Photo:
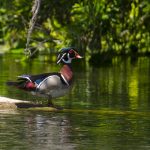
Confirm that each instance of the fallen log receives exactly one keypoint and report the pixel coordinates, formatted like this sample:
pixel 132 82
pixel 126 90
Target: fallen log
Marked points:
pixel 8 103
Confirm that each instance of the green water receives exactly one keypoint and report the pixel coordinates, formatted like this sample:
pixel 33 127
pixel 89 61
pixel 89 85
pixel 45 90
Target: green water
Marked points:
pixel 108 108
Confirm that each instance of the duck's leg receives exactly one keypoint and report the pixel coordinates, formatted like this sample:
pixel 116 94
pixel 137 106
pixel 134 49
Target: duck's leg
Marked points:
pixel 50 103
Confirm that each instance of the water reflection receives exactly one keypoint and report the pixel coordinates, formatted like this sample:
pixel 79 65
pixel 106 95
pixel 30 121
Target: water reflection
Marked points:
pixel 37 130
pixel 122 86
pixel 49 133
pixel 33 131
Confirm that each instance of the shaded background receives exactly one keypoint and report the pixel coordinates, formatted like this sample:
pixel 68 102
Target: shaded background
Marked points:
pixel 120 27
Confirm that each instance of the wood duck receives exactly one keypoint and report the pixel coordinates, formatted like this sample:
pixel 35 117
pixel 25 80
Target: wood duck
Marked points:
pixel 50 85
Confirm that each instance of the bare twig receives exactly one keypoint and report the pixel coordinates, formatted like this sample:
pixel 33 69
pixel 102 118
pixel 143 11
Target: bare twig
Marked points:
pixel 35 10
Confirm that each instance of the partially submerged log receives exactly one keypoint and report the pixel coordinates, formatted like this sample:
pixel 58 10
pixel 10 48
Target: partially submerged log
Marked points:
pixel 8 103
pixel 13 104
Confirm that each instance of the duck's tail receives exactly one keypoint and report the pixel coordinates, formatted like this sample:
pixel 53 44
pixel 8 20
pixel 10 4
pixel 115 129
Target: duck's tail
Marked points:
pixel 19 84
pixel 12 83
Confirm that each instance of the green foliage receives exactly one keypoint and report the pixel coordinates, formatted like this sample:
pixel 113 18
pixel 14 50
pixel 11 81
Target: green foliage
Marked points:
pixel 92 26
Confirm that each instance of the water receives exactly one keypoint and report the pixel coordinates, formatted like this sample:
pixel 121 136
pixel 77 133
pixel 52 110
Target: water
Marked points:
pixel 108 108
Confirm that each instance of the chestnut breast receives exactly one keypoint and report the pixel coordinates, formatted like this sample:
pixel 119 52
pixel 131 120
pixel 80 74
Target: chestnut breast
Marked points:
pixel 66 71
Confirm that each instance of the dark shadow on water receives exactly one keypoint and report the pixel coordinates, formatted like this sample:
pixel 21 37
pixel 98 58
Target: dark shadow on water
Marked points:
pixel 100 59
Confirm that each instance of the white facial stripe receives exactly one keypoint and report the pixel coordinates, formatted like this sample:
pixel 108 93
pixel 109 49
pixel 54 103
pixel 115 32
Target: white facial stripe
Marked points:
pixel 68 61
pixel 61 58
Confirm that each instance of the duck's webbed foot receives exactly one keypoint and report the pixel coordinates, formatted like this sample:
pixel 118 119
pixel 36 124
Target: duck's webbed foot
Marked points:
pixel 50 103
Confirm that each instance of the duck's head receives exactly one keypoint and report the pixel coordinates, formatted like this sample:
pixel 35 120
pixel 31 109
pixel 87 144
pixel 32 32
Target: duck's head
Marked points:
pixel 66 55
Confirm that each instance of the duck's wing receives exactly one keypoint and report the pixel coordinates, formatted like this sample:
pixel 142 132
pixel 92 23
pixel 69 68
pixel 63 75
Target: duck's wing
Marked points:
pixel 35 78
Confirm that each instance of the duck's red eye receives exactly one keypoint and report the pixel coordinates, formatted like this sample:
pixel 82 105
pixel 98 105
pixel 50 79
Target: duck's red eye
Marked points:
pixel 71 51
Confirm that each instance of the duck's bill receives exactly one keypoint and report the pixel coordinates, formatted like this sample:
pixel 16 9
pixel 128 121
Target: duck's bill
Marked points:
pixel 78 56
